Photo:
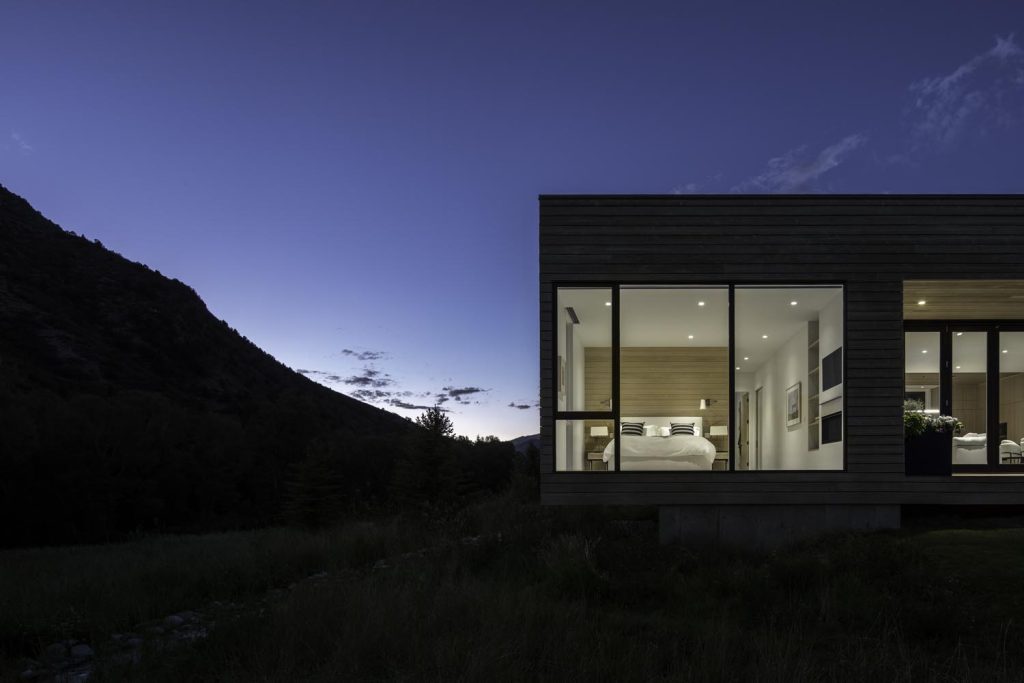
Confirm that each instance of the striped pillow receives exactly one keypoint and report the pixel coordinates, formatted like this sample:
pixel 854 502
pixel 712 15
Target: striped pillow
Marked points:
pixel 682 428
pixel 632 429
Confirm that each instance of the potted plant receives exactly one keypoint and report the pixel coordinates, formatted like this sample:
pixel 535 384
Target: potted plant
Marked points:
pixel 928 441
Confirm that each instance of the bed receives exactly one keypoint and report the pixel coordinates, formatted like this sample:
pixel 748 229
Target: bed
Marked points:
pixel 656 450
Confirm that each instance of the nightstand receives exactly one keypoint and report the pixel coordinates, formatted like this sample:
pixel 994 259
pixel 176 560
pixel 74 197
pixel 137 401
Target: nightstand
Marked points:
pixel 721 460
pixel 595 462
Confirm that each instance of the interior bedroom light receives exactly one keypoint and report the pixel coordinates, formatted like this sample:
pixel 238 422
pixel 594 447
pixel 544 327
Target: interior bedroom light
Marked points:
pixel 959 334
pixel 764 336
pixel 705 402
pixel 924 350
pixel 607 303
pixel 958 367
pixel 689 336
pixel 700 303
pixel 746 357
pixel 737 367
pixel 1006 350
pixel 792 303
pixel 922 302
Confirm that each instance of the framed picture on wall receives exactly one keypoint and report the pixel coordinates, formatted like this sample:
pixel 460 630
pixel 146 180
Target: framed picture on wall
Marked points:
pixel 793 405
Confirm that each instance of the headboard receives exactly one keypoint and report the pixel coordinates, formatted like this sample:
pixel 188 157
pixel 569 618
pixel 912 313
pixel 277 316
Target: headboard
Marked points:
pixel 698 422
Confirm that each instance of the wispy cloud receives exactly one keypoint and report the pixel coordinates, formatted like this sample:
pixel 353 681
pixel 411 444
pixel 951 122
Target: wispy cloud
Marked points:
pixel 797 171
pixel 980 91
pixel 369 377
pixel 364 355
pixel 320 375
pixel 21 143
pixel 519 406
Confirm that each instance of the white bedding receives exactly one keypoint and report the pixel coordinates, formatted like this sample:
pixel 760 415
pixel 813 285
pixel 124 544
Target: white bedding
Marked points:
pixel 679 452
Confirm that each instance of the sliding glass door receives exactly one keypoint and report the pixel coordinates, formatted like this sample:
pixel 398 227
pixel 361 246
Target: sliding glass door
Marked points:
pixel 973 371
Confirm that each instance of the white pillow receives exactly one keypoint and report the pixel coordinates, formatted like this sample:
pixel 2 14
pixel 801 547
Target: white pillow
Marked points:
pixel 667 431
pixel 650 430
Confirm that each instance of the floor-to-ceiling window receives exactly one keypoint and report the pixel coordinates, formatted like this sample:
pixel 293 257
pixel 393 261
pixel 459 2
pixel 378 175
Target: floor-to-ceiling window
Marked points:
pixel 789 356
pixel 1011 398
pixel 973 333
pixel 584 424
pixel 698 377
pixel 674 377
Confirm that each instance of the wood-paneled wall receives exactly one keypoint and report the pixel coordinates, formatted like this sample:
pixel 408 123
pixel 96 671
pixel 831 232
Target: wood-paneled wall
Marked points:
pixel 661 381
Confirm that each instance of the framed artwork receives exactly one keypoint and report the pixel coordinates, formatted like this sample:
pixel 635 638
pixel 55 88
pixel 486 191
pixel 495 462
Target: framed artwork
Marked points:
pixel 793 405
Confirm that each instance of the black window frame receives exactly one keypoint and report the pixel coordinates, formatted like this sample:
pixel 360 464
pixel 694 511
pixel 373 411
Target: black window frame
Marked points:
pixel 946 328
pixel 614 414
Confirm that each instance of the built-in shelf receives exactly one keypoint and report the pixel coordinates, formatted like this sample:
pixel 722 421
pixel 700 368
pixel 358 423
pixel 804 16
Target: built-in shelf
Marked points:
pixel 813 387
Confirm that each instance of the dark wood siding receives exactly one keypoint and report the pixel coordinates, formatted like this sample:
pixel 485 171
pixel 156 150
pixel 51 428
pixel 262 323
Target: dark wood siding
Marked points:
pixel 869 243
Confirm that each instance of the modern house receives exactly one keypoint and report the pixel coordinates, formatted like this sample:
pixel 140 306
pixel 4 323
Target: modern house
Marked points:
pixel 742 362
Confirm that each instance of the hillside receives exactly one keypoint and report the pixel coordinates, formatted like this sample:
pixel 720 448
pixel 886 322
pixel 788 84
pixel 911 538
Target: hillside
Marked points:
pixel 127 405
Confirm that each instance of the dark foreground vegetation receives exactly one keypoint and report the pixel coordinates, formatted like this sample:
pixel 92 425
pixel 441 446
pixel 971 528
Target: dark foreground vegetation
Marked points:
pixel 507 590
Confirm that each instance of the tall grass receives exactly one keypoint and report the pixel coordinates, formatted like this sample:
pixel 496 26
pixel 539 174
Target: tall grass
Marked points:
pixel 89 592
pixel 511 591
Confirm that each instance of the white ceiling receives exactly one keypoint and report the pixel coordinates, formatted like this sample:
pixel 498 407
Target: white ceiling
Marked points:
pixel 668 316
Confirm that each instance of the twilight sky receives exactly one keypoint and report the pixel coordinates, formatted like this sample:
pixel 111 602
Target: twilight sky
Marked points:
pixel 352 185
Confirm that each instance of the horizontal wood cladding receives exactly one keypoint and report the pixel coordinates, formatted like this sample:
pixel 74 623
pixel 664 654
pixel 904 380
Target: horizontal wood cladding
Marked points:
pixel 869 243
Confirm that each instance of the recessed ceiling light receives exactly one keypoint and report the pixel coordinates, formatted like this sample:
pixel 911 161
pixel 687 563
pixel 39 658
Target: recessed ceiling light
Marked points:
pixel 792 303
pixel 746 357
pixel 958 367
pixel 959 334
pixel 922 302
pixel 689 336
pixel 924 350
pixel 764 336
pixel 737 367
pixel 1006 350
pixel 700 303
pixel 607 303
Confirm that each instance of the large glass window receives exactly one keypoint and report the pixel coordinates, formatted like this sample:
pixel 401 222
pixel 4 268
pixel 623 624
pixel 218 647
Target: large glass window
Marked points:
pixel 921 370
pixel 674 370
pixel 1011 397
pixel 648 378
pixel 970 396
pixel 583 378
pixel 789 365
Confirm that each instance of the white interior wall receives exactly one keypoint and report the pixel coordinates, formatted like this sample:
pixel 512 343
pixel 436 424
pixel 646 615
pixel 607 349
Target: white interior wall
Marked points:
pixel 785 448
pixel 578 377
pixel 830 334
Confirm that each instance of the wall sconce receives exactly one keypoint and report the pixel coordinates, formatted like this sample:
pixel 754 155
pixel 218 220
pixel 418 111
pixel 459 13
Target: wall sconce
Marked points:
pixel 706 402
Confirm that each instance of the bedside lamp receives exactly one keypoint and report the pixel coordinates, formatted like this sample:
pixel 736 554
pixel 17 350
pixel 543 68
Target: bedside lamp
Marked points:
pixel 718 431
pixel 600 433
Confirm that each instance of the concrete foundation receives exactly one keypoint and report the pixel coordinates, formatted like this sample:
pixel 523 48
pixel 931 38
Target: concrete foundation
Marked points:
pixel 767 527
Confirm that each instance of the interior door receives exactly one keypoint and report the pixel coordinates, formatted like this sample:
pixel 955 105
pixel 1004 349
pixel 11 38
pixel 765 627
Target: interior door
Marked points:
pixel 743 446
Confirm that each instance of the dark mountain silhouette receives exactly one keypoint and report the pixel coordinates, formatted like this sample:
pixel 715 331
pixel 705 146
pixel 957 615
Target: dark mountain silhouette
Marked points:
pixel 521 443
pixel 126 405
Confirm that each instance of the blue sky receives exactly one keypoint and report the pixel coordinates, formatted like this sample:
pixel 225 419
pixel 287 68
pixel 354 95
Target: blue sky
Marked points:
pixel 353 185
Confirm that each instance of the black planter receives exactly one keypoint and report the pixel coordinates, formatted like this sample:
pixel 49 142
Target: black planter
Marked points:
pixel 930 454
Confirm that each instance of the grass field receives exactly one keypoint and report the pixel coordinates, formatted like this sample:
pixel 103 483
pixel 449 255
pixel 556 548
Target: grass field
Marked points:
pixel 511 591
